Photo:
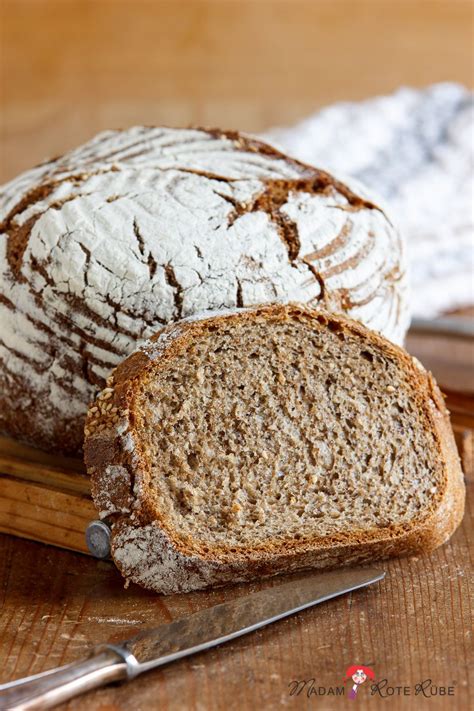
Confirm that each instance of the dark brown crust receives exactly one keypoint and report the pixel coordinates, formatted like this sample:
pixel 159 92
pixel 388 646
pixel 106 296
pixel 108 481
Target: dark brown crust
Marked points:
pixel 318 179
pixel 131 511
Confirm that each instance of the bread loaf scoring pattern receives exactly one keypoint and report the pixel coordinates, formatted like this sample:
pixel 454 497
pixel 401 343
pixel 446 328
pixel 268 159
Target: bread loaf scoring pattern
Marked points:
pixel 142 227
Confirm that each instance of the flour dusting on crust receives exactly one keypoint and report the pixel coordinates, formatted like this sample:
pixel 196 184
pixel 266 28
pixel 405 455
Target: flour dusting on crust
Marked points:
pixel 167 570
pixel 139 228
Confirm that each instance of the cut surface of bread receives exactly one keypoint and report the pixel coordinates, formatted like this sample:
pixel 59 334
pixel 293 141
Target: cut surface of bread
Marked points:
pixel 265 440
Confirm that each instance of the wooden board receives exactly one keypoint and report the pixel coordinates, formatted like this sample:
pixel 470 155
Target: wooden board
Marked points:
pixel 414 626
pixel 71 69
pixel 47 498
pixel 44 497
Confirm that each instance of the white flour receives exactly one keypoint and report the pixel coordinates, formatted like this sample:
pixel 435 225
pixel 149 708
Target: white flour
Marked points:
pixel 415 148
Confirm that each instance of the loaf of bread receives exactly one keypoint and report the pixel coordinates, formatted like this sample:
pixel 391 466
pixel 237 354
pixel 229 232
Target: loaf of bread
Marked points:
pixel 271 439
pixel 139 228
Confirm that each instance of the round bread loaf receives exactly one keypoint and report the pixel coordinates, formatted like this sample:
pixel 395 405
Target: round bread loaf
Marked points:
pixel 142 227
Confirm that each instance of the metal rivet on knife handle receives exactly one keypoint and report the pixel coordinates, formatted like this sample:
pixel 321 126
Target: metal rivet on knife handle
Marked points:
pixel 98 539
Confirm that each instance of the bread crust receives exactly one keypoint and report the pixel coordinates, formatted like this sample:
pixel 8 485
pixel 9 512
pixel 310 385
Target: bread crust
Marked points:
pixel 138 228
pixel 146 549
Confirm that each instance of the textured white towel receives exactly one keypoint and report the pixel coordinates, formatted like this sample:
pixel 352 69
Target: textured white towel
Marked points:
pixel 415 148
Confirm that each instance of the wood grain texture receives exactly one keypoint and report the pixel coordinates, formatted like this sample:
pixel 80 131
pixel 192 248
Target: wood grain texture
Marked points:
pixel 70 69
pixel 415 625
pixel 45 514
pixel 44 497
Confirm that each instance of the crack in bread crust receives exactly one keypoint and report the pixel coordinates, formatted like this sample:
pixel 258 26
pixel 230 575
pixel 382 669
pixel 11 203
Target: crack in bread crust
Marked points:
pixel 139 228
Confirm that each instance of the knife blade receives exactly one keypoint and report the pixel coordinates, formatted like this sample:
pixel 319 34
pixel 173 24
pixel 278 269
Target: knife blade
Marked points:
pixel 226 621
pixel 168 642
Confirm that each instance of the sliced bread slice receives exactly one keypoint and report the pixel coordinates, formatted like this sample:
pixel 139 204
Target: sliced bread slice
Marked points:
pixel 272 439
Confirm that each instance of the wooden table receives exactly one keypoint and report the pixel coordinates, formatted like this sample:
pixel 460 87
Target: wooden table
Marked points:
pixel 70 69
pixel 414 626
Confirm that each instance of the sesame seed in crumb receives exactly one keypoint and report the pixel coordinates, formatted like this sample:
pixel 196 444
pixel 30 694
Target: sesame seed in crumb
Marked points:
pixel 307 465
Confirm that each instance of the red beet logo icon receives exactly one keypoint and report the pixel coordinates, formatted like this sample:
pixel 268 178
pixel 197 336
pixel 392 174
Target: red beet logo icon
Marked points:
pixel 358 673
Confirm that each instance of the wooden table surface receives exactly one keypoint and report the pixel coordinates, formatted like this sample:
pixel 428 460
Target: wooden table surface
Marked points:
pixel 414 626
pixel 70 69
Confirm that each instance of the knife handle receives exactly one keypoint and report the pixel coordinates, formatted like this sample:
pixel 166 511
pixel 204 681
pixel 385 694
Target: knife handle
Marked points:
pixel 52 687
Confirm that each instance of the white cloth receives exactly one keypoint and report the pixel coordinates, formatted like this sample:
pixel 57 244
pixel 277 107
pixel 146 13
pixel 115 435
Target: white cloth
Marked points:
pixel 415 148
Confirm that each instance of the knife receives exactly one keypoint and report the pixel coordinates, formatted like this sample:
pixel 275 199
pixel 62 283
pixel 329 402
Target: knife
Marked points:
pixel 458 327
pixel 204 629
